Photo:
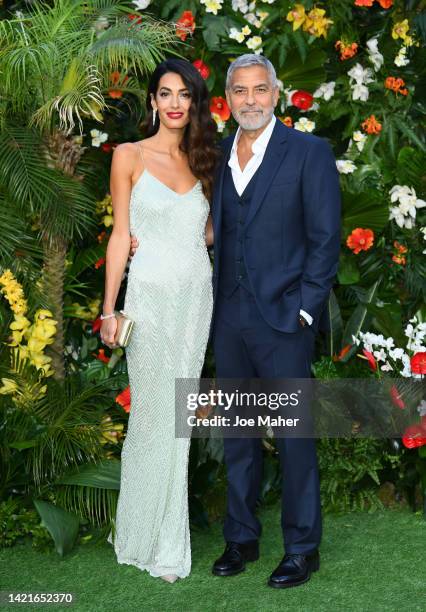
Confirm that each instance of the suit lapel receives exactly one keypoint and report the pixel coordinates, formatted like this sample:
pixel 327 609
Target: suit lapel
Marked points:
pixel 274 155
pixel 218 190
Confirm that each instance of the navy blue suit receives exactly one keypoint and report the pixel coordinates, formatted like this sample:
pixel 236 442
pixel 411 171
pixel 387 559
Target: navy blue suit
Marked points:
pixel 276 250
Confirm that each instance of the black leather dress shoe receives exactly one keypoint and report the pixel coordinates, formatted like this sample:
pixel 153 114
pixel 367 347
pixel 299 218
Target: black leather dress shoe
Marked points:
pixel 235 557
pixel 294 570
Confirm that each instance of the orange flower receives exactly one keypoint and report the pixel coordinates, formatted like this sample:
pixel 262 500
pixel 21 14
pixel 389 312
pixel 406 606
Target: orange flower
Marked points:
pixel 343 352
pixel 101 237
pixel 123 399
pixel 185 25
pixel 398 256
pixel 363 2
pixel 399 259
pixel 219 106
pixel 385 3
pixel 360 240
pixel 371 125
pixel 116 79
pixel 100 263
pixel 347 50
pixel 396 85
pixel 101 356
pixel 396 397
pixel 288 121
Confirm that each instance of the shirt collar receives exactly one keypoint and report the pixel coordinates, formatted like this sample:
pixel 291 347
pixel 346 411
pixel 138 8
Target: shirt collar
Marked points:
pixel 261 142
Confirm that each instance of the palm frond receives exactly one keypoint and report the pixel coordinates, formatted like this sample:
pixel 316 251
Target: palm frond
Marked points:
pixel 133 47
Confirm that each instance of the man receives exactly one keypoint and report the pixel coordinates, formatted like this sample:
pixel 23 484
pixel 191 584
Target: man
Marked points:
pixel 276 220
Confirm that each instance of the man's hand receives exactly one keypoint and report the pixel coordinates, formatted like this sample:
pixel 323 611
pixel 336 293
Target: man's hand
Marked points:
pixel 134 243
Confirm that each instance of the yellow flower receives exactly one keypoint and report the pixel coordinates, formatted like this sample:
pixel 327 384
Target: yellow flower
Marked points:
pixel 9 386
pixel 108 220
pixel 316 24
pixel 41 362
pixel 297 16
pixel 400 30
pixel 20 322
pixel 35 345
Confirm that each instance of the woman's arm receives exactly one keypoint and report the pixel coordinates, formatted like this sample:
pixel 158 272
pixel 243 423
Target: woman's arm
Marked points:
pixel 119 241
pixel 209 231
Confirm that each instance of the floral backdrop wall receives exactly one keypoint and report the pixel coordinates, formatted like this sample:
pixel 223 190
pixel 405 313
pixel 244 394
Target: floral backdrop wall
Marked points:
pixel 350 71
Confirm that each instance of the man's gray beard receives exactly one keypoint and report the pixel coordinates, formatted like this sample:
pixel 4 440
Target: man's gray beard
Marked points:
pixel 253 124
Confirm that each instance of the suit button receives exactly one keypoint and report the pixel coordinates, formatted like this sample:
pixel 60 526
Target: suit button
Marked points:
pixel 239 261
pixel 240 202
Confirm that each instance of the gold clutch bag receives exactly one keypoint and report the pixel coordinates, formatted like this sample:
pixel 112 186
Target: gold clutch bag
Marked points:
pixel 124 329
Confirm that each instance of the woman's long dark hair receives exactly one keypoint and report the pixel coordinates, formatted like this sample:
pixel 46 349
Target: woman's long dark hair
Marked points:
pixel 198 142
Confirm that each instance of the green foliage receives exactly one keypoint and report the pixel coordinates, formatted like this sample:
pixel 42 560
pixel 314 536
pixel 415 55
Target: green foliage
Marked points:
pixel 18 523
pixel 350 472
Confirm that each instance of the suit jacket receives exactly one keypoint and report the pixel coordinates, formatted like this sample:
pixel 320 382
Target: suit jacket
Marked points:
pixel 291 236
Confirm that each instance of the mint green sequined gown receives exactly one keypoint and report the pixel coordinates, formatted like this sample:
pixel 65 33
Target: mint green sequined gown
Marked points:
pixel 169 296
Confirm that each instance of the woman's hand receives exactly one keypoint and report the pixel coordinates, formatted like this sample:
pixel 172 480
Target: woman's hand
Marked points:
pixel 134 243
pixel 108 331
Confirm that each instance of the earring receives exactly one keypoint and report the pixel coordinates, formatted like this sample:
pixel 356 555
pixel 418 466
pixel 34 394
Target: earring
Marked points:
pixel 154 115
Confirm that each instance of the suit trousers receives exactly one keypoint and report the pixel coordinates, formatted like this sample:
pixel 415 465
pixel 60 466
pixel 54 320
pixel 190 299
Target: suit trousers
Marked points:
pixel 245 346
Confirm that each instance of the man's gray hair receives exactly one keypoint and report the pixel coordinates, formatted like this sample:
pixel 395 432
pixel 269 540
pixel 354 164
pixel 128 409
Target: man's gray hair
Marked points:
pixel 251 59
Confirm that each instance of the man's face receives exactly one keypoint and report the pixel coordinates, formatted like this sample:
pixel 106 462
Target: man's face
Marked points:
pixel 251 97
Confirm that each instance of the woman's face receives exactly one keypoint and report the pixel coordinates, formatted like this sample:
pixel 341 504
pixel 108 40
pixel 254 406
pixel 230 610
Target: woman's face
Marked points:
pixel 172 101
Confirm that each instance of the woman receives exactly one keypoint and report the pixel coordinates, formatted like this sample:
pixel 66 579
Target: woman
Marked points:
pixel 161 187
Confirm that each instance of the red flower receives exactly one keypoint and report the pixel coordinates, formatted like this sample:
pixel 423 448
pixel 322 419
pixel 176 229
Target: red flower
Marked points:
pixel 123 399
pixel 96 325
pixel 135 18
pixel 418 363
pixel 202 68
pixel 185 25
pixel 414 436
pixel 106 146
pixel 302 99
pixel 385 3
pixel 100 263
pixel 360 240
pixel 370 358
pixel 396 397
pixel 219 106
pixel 364 2
pixel 101 356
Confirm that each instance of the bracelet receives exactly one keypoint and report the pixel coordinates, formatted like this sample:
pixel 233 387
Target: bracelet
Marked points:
pixel 108 316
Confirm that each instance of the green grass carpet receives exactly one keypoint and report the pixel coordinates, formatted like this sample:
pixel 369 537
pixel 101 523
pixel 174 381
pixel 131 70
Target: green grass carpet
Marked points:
pixel 369 562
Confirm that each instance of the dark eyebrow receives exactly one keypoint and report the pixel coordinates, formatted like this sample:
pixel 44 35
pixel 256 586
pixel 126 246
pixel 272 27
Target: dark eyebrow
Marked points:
pixel 168 88
pixel 236 86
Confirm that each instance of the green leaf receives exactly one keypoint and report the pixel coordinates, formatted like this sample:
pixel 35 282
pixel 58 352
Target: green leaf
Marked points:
pixel 103 475
pixel 366 210
pixel 62 525
pixel 336 324
pixel 358 317
pixel 348 272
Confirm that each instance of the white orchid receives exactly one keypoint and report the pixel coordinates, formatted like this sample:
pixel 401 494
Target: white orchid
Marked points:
pixel 220 124
pixel 404 213
pixel 345 166
pixel 240 5
pixel 359 139
pixel 255 44
pixel 212 6
pixel 374 54
pixel 304 125
pixel 421 408
pixel 423 230
pixel 394 358
pixel 140 5
pixel 359 78
pixel 401 59
pixel 98 137
pixel 325 90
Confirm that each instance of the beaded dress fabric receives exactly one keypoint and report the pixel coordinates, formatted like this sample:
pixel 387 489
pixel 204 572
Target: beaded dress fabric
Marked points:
pixel 169 296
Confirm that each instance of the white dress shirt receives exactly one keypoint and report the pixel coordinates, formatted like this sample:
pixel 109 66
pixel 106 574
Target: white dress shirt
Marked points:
pixel 242 178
